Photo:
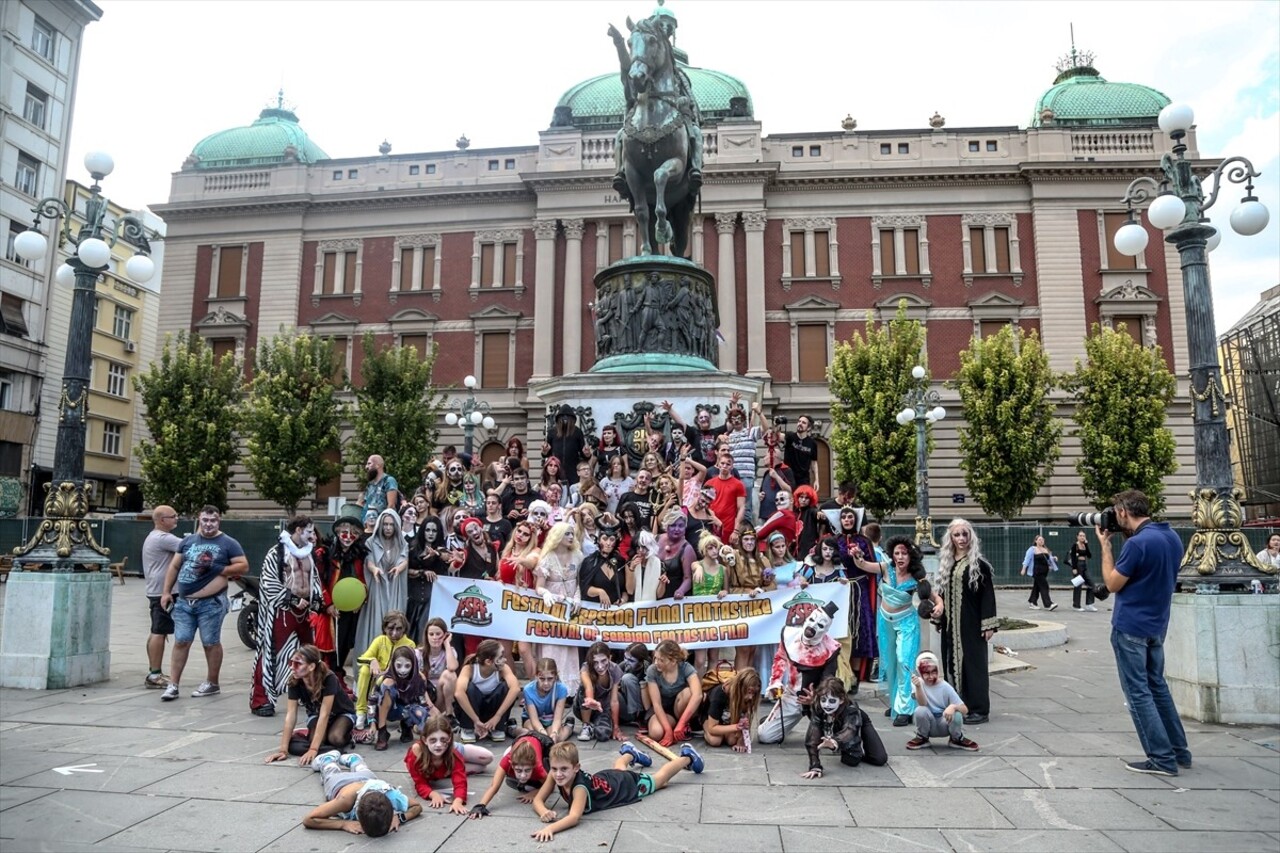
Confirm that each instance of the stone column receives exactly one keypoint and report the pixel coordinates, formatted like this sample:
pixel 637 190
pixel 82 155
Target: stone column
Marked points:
pixel 544 298
pixel 571 341
pixel 753 222
pixel 726 293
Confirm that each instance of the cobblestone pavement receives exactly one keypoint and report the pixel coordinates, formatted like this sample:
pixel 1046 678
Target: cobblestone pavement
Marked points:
pixel 188 775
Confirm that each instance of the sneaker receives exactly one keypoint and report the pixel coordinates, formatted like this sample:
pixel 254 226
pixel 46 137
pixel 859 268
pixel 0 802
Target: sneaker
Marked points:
pixel 917 742
pixel 498 735
pixel 1091 608
pixel 1148 767
pixel 587 733
pixel 350 760
pixel 206 688
pixel 696 764
pixel 963 743
pixel 1052 607
pixel 362 721
pixel 888 712
pixel 639 756
pixel 170 693
pixel 326 758
pixel 468 735
pixel 263 711
pixel 1034 606
pixel 1078 609
pixel 384 738
pixel 155 681
pixel 1185 765
pixel 902 720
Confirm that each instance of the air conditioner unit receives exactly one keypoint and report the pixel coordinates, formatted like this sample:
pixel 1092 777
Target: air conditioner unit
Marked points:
pixel 335 506
pixel 130 346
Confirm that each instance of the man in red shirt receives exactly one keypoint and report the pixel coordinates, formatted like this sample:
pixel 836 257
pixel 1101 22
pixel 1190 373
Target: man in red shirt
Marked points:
pixel 729 504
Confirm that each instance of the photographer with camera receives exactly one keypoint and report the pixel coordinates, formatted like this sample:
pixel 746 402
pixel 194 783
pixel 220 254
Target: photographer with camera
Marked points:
pixel 1143 581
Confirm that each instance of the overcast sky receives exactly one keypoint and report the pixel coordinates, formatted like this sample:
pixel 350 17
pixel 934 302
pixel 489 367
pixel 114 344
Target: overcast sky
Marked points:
pixel 156 77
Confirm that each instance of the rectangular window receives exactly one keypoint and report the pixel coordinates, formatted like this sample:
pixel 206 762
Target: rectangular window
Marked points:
pixel 815 150
pixel 486 264
pixel 886 148
pixel 111 438
pixel 330 488
pixel 413 170
pixel 797 150
pixel 122 322
pixel 352 174
pixel 222 347
pixel 117 379
pixel 888 262
pixel 349 272
pixel 978 249
pixel 36 106
pixel 418 342
pixel 615 243
pixel 10 459
pixel 992 145
pixel 339 361
pixel 337 174
pixel 6 395
pixel 811 347
pixel 493 165
pixel 229 260
pixel 911 250
pixel 797 254
pixel 1002 249
pixel 1115 260
pixel 10 252
pixel 428 266
pixel 508 264
pixel 494 350
pixel 822 253
pixel 509 164
pixel 26 177
pixel 991 328
pixel 406 269
pixel 431 168
pixel 904 147
pixel 11 320
pixel 1132 326
pixel 330 267
pixel 973 146
pixel 42 36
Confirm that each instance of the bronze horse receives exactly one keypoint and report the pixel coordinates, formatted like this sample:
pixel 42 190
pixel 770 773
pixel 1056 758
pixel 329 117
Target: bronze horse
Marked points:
pixel 656 144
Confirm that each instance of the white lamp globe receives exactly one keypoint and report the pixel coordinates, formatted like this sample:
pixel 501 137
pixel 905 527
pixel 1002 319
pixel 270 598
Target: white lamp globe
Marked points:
pixel 476 418
pixel 1166 211
pixel 1176 117
pixel 1131 239
pixel 94 252
pixel 1213 241
pixel 30 245
pixel 1250 218
pixel 451 419
pixel 905 416
pixel 99 163
pixel 65 275
pixel 917 372
pixel 938 413
pixel 489 423
pixel 140 268
pixel 469 381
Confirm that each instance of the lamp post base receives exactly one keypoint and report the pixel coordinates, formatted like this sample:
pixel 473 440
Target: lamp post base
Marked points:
pixel 57 630
pixel 1218 557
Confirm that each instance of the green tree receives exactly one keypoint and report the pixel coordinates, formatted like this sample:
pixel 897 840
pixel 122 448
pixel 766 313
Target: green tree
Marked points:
pixel 1010 437
pixel 868 379
pixel 1122 392
pixel 191 404
pixel 291 418
pixel 397 409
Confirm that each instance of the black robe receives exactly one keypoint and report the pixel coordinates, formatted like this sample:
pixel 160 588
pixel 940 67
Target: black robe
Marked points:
pixel 966 614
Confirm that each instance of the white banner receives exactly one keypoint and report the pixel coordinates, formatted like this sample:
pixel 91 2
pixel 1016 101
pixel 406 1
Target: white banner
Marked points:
pixel 493 610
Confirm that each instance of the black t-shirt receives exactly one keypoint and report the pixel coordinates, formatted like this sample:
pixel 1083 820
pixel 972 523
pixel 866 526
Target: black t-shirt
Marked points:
pixel 799 454
pixel 498 531
pixel 605 789
pixel 342 703
pixel 718 705
pixel 642 504
pixel 511 500
pixel 703 444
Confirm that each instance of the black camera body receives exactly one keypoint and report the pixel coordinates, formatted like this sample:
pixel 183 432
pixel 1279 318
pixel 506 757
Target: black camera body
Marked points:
pixel 1106 520
pixel 780 421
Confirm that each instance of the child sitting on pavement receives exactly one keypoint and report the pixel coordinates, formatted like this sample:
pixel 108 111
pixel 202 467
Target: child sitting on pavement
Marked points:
pixel 599 703
pixel 404 696
pixel 377 658
pixel 357 801
pixel 592 792
pixel 941 710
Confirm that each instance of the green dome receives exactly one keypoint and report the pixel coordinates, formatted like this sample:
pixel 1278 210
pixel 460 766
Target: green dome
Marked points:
pixel 265 142
pixel 1080 96
pixel 599 103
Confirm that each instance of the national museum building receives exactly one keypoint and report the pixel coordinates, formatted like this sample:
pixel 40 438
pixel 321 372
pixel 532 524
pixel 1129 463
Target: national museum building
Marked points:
pixel 490 254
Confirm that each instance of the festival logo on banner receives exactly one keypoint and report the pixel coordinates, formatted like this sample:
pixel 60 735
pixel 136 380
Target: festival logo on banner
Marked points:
pixel 473 608
pixel 799 608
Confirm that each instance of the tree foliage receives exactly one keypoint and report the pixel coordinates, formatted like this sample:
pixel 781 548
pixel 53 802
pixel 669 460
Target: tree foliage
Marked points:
pixel 291 418
pixel 191 405
pixel 397 409
pixel 1010 437
pixel 1122 392
pixel 869 378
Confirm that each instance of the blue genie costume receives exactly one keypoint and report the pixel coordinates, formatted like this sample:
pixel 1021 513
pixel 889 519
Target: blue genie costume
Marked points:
pixel 899 627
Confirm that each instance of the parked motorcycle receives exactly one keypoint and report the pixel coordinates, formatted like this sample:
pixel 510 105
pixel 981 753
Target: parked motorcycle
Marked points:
pixel 246 602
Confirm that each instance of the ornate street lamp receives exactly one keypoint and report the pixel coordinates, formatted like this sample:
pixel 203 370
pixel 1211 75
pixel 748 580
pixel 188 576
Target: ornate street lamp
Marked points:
pixel 469 412
pixel 64 540
pixel 1218 556
pixel 923 408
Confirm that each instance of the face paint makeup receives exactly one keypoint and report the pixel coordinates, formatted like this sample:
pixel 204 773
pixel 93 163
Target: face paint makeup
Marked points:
pixel 403 667
pixel 438 743
pixel 600 664
pixel 829 704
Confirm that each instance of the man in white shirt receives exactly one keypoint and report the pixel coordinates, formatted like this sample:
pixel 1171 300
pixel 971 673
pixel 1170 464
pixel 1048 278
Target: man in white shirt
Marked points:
pixel 157 550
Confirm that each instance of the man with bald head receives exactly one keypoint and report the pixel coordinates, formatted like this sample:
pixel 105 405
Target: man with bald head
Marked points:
pixel 157 551
pixel 382 492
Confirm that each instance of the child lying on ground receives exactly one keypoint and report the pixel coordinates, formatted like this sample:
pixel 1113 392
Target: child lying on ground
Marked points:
pixel 355 800
pixel 592 792
pixel 523 767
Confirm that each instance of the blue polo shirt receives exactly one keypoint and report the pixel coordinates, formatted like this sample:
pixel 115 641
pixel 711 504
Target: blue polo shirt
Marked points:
pixel 1150 561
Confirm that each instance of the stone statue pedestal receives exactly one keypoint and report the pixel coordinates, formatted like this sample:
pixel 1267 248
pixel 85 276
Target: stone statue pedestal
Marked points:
pixel 655 314
pixel 57 630
pixel 1220 657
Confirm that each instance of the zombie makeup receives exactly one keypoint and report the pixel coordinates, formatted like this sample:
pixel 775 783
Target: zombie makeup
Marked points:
pixel 522 773
pixel 403 667
pixel 438 743
pixel 830 704
pixel 676 530
pixel 546 682
pixel 600 663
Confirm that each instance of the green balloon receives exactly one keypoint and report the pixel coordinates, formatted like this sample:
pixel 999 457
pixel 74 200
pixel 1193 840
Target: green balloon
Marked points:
pixel 348 594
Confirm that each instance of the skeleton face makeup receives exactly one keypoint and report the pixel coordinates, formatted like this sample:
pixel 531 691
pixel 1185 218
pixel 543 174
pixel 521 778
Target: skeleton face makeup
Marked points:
pixel 782 500
pixel 539 516
pixel 815 627
pixel 438 743
pixel 829 704
pixel 403 667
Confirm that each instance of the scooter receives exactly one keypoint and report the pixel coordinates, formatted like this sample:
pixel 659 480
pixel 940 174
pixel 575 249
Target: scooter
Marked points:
pixel 246 602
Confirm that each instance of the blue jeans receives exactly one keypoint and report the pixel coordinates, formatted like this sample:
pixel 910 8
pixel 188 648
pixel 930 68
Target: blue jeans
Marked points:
pixel 203 613
pixel 1140 665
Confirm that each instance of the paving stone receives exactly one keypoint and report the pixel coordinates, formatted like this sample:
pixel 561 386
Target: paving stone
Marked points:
pixel 655 836
pixel 424 833
pixel 1192 841
pixel 1073 810
pixel 116 773
pixel 1074 772
pixel 82 816
pixel 941 766
pixel 918 808
pixel 496 834
pixel 230 827
pixel 781 805
pixel 787 770
pixel 806 839
pixel 234 782
pixel 19 763
pixel 1085 744
pixel 1220 773
pixel 1185 809
pixel 11 796
pixel 1021 840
